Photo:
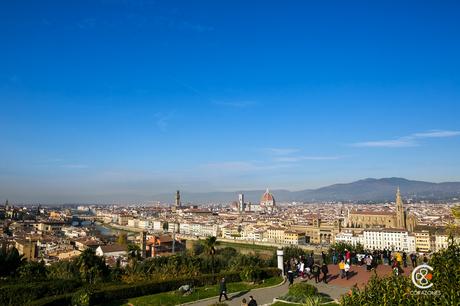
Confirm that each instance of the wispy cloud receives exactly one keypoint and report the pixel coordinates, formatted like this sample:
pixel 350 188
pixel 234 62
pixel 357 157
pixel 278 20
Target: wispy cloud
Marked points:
pixel 75 166
pixel 407 141
pixel 281 151
pixel 291 159
pixel 437 134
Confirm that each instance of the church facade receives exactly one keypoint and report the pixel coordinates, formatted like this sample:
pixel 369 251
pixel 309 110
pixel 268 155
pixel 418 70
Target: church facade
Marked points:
pixel 382 219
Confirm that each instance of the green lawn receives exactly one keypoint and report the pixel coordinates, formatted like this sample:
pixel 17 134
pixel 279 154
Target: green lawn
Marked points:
pixel 246 246
pixel 172 298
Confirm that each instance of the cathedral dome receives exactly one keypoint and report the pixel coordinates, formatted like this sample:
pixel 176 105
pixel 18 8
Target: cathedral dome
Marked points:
pixel 267 198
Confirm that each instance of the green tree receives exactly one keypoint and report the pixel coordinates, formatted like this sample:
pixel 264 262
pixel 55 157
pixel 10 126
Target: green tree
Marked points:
pixel 210 244
pixel 10 261
pixel 32 270
pixel 92 268
pixel 134 254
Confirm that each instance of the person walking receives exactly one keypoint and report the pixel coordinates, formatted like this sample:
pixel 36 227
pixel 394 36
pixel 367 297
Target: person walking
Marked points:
pixel 342 269
pixel 347 268
pixel 325 270
pixel 290 276
pixel 223 289
pixel 252 301
pixel 316 270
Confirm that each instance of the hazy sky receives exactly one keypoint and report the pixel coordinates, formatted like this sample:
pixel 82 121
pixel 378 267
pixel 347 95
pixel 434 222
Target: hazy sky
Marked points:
pixel 117 100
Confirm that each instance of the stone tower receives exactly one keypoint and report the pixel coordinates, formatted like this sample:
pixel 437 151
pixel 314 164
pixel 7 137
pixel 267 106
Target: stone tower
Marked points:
pixel 178 204
pixel 400 214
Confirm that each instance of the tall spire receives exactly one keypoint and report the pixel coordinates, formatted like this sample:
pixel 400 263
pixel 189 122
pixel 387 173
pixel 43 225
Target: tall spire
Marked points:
pixel 400 219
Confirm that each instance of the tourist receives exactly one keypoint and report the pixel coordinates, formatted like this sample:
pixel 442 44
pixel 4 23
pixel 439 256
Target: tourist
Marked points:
pixel 413 258
pixel 342 269
pixel 310 261
pixel 323 256
pixel 347 255
pixel 223 289
pixel 290 276
pixel 425 259
pixel 404 258
pixel 347 268
pixel 244 303
pixel 325 270
pixel 334 257
pixel 252 302
pixel 302 269
pixel 316 270
pixel 368 262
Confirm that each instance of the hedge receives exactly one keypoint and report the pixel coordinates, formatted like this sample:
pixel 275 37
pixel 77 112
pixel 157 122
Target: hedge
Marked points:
pixel 23 293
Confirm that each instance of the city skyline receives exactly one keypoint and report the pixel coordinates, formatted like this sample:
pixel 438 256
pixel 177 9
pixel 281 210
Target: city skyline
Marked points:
pixel 107 100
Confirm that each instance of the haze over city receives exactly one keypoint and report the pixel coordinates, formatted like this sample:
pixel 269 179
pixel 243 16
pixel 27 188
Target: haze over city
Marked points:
pixel 123 100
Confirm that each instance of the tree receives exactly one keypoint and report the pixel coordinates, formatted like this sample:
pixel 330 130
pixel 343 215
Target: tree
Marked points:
pixel 10 261
pixel 32 270
pixel 134 254
pixel 210 244
pixel 91 267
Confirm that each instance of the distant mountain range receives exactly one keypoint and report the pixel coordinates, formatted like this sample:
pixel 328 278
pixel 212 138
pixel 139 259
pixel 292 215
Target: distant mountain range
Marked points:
pixel 367 190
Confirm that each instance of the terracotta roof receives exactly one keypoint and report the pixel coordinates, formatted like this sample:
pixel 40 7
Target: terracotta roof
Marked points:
pixel 113 248
pixel 369 212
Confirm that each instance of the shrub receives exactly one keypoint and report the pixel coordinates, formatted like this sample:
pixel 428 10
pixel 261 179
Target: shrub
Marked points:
pixel 22 293
pixel 302 290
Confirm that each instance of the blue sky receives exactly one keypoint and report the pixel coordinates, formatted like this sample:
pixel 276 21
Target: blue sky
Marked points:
pixel 120 100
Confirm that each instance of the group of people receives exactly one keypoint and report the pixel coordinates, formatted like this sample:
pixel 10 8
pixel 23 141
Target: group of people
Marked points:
pixel 306 267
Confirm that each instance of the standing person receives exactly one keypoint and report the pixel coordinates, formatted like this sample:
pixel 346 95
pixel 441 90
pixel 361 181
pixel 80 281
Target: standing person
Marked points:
pixel 413 259
pixel 347 268
pixel 342 269
pixel 425 259
pixel 316 270
pixel 244 303
pixel 325 270
pixel 252 302
pixel 334 257
pixel 368 262
pixel 302 269
pixel 347 255
pixel 323 256
pixel 404 258
pixel 223 289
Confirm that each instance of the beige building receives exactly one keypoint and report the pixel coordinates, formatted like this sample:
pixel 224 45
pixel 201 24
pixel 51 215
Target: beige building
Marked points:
pixel 28 248
pixel 319 232
pixel 294 237
pixel 422 241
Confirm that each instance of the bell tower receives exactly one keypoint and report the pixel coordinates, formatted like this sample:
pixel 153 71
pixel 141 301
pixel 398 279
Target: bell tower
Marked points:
pixel 400 215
